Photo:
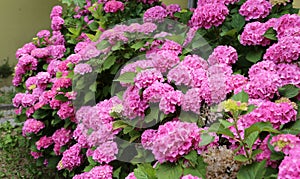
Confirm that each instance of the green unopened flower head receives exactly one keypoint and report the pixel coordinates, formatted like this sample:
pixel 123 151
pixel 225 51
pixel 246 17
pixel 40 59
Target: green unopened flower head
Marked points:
pixel 234 106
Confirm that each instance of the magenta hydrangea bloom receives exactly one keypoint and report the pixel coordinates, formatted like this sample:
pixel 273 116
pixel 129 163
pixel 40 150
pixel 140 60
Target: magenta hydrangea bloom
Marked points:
pixel 32 126
pixel 170 100
pixel 57 38
pixel 56 23
pixel 155 92
pixel 66 110
pixel 285 143
pixel 133 104
pixel 78 135
pixel 172 140
pixel 113 6
pixel 194 62
pixel 26 49
pixel 208 15
pixel 226 2
pixel 60 138
pixel 56 11
pixel 287 50
pixel 287 25
pixel 40 52
pixel 106 152
pixel 290 165
pixel 289 74
pixel 131 176
pixel 44 142
pixel 98 172
pixel 71 158
pixel 57 51
pixel 255 9
pixel 236 83
pixel 36 155
pixel 190 177
pixel 82 68
pixel 155 14
pixel 43 34
pixel 253 34
pixel 223 54
pixel 131 67
pixel 147 77
pixel 27 62
pixel 172 9
pixel 180 75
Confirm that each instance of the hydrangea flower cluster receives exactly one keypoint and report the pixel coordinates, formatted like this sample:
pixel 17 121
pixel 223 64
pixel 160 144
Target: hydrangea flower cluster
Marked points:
pixel 223 54
pixel 255 9
pixel 208 15
pixel 71 158
pixel 253 34
pixel 113 6
pixel 171 140
pixel 190 177
pixel 98 172
pixel 32 126
pixel 155 14
pixel 289 167
pixel 285 143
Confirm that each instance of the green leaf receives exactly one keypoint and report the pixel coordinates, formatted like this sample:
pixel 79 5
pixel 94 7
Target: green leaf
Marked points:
pixel 127 77
pixel 188 117
pixel 61 97
pixel 241 158
pixel 192 156
pixel 294 129
pixel 138 45
pixel 230 33
pixel 254 56
pixel 238 21
pixel 128 129
pixel 251 108
pixel 226 123
pixel 219 129
pixel 255 170
pixel 242 97
pixel 199 170
pixel 89 96
pixel 144 171
pixel 270 34
pixel 260 127
pixel 92 161
pixel 256 152
pixel 110 61
pixel 88 168
pixel 116 173
pixel 169 171
pixel 40 114
pixel 52 162
pixel 251 139
pixel 119 124
pixel 206 139
pixel 277 156
pixel 289 91
pixel 94 26
pixel 153 115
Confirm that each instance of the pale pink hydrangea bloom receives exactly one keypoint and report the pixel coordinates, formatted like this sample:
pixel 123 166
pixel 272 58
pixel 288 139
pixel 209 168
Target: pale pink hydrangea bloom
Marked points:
pixel 164 59
pixel 155 92
pixel 43 34
pixel 106 152
pixel 82 68
pixel 41 52
pixel 56 23
pixel 56 11
pixel 192 100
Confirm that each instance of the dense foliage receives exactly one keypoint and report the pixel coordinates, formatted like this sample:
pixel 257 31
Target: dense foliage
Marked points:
pixel 166 95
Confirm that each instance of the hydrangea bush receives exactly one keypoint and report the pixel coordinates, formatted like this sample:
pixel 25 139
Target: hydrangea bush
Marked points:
pixel 225 108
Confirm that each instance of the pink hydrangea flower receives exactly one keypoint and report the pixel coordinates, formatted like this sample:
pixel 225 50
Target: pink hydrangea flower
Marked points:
pixel 44 142
pixel 223 54
pixel 287 50
pixel 56 11
pixel 71 158
pixel 172 9
pixel 190 177
pixel 192 100
pixel 61 137
pixel 32 126
pixel 290 166
pixel 255 9
pixel 208 15
pixel 155 14
pixel 26 49
pixel 155 92
pixel 105 152
pixel 113 6
pixel 66 110
pixel 36 155
pixel 131 176
pixel 253 34
pixel 287 25
pixel 147 77
pixel 285 143
pixel 173 140
pixel 43 34
pixel 82 68
pixel 170 100
pixel 56 23
pixel 57 51
pixel 164 59
pixel 40 52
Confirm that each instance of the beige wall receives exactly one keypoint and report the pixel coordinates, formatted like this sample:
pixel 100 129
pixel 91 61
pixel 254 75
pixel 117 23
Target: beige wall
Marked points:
pixel 182 3
pixel 20 20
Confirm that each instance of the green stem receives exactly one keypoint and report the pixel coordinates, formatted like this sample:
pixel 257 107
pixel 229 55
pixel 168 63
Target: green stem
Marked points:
pixel 240 138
